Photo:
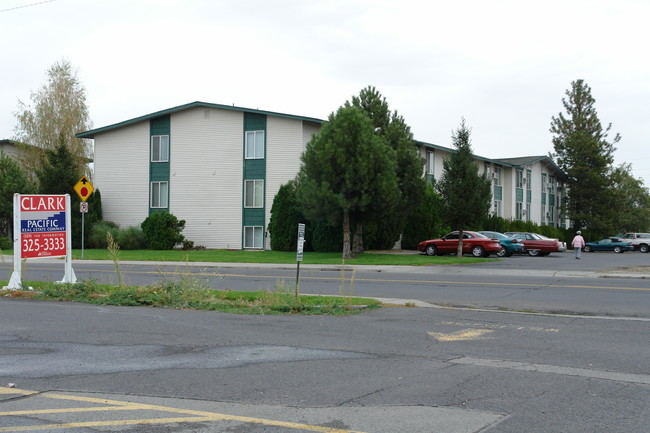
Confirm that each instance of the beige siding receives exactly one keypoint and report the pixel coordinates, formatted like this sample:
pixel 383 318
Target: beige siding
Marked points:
pixel 122 174
pixel 284 144
pixel 308 131
pixel 206 175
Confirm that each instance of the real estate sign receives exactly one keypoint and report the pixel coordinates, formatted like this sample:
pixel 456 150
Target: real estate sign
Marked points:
pixel 41 229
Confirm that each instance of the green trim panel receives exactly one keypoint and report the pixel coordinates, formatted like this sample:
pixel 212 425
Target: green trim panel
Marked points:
pixel 498 193
pixel 159 171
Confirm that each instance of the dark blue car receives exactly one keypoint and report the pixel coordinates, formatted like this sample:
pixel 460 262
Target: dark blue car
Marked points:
pixel 609 244
pixel 509 245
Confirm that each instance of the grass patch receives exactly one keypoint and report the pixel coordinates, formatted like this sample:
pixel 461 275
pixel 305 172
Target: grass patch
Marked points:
pixel 279 257
pixel 191 295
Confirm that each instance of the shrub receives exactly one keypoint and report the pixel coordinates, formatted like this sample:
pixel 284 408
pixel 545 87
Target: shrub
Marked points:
pixel 285 217
pixel 97 236
pixel 5 243
pixel 130 238
pixel 162 231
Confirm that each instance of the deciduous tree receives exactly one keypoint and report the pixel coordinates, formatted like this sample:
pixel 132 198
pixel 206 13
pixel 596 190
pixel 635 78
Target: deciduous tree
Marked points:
pixel 57 112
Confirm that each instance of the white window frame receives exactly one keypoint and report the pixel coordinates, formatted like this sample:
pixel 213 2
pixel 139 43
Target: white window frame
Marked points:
pixel 257 188
pixel 254 234
pixel 519 210
pixel 254 146
pixel 431 162
pixel 498 208
pixel 162 148
pixel 497 176
pixel 520 178
pixel 163 196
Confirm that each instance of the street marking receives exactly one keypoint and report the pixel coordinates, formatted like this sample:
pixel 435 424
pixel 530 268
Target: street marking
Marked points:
pixel 192 415
pixel 462 335
pixel 554 369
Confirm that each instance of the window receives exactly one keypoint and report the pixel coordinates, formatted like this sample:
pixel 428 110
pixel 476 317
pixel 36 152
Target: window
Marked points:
pixel 254 193
pixel 430 161
pixel 160 148
pixel 159 194
pixel 254 144
pixel 497 208
pixel 520 210
pixel 520 178
pixel 529 179
pixel 253 236
pixel 497 175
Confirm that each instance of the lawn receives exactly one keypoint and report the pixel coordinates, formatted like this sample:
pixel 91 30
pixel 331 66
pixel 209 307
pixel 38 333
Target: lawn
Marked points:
pixel 280 257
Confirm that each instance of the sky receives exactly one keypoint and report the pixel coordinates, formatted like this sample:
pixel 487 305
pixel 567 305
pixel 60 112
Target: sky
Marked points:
pixel 504 66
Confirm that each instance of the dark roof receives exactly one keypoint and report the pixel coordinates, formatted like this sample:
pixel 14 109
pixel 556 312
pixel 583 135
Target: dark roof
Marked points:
pixel 529 160
pixel 92 132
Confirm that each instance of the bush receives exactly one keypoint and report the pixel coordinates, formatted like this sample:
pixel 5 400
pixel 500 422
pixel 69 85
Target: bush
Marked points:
pixel 285 217
pixel 130 238
pixel 162 231
pixel 5 243
pixel 97 236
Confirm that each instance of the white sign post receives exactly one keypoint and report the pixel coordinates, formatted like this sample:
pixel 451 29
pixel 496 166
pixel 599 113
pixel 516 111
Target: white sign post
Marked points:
pixel 42 229
pixel 301 244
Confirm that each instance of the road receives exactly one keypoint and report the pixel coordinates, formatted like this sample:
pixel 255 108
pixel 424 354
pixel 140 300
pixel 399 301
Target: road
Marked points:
pixel 554 284
pixel 82 368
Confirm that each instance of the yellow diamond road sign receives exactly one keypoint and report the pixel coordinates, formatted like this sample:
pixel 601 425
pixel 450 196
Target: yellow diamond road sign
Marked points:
pixel 84 188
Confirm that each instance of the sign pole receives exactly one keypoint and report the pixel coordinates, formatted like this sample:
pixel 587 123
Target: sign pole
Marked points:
pixel 83 214
pixel 301 243
pixel 15 282
pixel 68 276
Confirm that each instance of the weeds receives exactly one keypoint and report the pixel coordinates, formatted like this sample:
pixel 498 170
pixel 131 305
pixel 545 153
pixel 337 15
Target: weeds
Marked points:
pixel 114 253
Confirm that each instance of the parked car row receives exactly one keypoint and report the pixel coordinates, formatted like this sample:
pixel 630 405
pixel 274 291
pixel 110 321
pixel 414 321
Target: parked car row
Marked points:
pixel 485 243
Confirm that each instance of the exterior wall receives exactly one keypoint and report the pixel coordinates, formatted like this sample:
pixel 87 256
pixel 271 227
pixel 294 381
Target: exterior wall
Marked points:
pixel 284 144
pixel 206 175
pixel 122 175
pixel 8 148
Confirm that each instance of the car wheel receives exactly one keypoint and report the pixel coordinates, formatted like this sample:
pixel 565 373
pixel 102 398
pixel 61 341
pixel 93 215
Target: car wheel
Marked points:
pixel 533 253
pixel 643 248
pixel 477 251
pixel 618 250
pixel 588 249
pixel 502 252
pixel 430 250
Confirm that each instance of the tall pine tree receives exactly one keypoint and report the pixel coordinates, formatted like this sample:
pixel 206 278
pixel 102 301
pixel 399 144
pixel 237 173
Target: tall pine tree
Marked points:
pixel 583 152
pixel 466 193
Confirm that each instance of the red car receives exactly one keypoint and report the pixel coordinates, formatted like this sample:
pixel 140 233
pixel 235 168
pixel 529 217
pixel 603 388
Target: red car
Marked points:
pixel 474 243
pixel 538 245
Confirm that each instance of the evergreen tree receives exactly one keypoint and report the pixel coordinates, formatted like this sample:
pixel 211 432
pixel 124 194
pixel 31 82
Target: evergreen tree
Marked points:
pixel 386 221
pixel 346 170
pixel 58 174
pixel 583 152
pixel 13 179
pixel 466 193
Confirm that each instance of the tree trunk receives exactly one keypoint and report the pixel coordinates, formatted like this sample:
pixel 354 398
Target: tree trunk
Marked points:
pixel 346 234
pixel 357 242
pixel 459 251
